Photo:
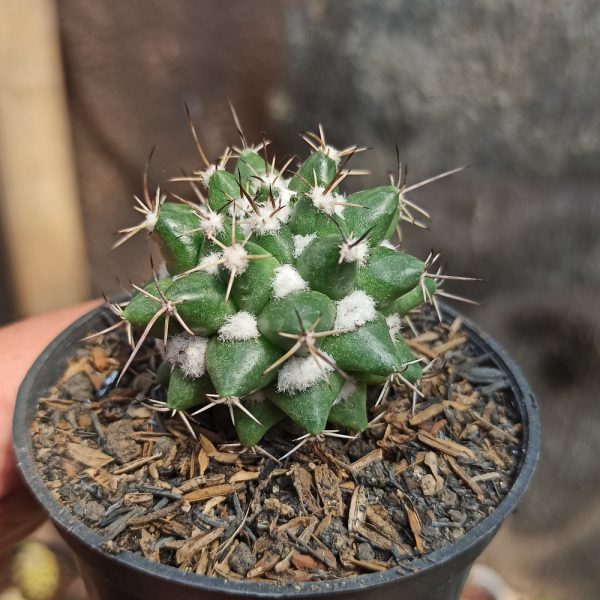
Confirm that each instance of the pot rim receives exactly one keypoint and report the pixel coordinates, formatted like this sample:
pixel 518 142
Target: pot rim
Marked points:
pixel 61 515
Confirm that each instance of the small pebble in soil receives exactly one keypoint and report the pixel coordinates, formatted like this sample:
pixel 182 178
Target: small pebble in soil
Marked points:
pixel 119 442
pixel 242 560
pixel 364 551
pixel 77 387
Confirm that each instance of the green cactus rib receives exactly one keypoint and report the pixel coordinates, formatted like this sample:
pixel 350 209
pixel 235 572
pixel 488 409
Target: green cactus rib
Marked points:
pixel 292 288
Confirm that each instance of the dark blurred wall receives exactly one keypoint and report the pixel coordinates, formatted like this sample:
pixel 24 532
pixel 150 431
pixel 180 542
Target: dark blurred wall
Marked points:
pixel 130 66
pixel 510 87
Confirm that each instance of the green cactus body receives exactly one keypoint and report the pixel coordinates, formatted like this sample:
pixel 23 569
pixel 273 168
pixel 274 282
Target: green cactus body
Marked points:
pixel 237 367
pixel 389 274
pixel 411 372
pixel 299 309
pixel 163 373
pixel 317 169
pixel 141 309
pixel 252 288
pixel 288 316
pixel 249 167
pixel 306 219
pixel 178 246
pixel 309 408
pixel 369 349
pixel 379 215
pixel 222 189
pixel 224 237
pixel 351 411
pixel 185 392
pixel 203 307
pixel 250 432
pixel 405 303
pixel 320 266
pixel 280 244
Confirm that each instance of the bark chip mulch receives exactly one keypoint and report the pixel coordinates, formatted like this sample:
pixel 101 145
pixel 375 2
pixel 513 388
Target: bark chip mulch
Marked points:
pixel 414 482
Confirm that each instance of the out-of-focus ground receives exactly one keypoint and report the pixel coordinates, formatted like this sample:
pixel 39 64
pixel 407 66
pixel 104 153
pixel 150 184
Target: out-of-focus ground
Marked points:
pixel 509 87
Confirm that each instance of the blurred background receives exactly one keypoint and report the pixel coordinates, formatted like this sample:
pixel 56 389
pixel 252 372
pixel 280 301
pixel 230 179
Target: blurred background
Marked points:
pixel 510 87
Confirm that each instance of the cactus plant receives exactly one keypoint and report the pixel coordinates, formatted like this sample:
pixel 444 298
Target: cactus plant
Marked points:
pixel 282 298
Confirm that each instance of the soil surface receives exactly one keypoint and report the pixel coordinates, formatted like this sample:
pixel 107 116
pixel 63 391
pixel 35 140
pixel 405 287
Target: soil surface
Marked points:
pixel 418 478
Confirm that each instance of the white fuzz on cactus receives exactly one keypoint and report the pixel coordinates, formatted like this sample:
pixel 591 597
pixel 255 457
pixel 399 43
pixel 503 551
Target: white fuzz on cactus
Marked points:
pixel 284 193
pixel 387 244
pixel 302 372
pixel 394 325
pixel 207 174
pixel 287 280
pixel 354 251
pixel 334 154
pixel 235 258
pixel 356 309
pixel 326 202
pixel 189 353
pixel 239 327
pixel 264 220
pixel 209 264
pixel 347 390
pixel 212 224
pixel 300 243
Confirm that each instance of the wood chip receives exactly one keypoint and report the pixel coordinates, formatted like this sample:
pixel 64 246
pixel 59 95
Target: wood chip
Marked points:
pixel 486 476
pixel 501 433
pixel 491 453
pixel 266 563
pixel 302 480
pixel 462 474
pixel 148 546
pixel 209 492
pixel 328 486
pixel 373 536
pixel 383 524
pixel 357 513
pixel 372 566
pixel 103 478
pixel 100 361
pixel 186 554
pixel 414 521
pixel 305 561
pixel 244 476
pixel 427 414
pixel 207 445
pixel 370 458
pixel 153 516
pixel 138 498
pixel 203 461
pixel 446 446
pixel 192 484
pixel 212 503
pixel 421 349
pixel 431 461
pixel 226 458
pixel 90 457
pixel 136 464
pixel 441 349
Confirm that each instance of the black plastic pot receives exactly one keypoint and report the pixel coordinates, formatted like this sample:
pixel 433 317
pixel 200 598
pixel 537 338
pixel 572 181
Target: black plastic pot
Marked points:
pixel 437 576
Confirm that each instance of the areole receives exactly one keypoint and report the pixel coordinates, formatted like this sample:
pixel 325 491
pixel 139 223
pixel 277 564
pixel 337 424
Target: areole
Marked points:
pixel 127 576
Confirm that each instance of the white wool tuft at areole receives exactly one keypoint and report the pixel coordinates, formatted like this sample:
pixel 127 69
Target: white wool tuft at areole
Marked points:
pixel 189 353
pixel 287 280
pixel 354 310
pixel 302 372
pixel 240 326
